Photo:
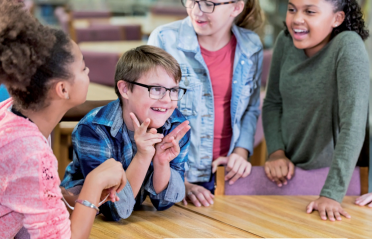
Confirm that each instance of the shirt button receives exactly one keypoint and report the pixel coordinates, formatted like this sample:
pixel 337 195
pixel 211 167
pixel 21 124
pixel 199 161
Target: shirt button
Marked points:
pixel 235 82
pixel 242 62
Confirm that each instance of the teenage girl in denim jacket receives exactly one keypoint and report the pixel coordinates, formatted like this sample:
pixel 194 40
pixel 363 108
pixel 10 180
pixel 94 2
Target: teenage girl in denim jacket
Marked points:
pixel 221 62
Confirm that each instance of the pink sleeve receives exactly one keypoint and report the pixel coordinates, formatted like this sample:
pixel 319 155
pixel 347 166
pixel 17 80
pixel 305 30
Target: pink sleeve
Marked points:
pixel 34 192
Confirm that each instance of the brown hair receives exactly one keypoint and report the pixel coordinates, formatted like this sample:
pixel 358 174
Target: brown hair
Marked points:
pixel 138 61
pixel 252 17
pixel 31 55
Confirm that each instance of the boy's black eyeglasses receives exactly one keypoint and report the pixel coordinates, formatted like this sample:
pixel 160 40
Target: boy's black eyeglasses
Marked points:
pixel 204 6
pixel 158 92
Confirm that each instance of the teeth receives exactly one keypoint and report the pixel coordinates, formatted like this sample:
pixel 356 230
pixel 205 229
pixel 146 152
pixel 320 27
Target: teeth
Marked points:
pixel 299 30
pixel 159 109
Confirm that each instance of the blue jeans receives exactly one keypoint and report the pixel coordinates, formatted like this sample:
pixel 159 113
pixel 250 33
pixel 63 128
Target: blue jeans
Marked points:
pixel 210 185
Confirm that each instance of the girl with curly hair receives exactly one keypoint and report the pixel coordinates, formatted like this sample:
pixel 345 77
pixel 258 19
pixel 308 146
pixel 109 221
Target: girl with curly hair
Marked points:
pixel 315 111
pixel 46 76
pixel 221 61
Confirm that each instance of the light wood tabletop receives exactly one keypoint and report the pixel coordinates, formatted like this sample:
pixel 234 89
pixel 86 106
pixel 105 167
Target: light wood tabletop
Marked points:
pixel 174 222
pixel 285 216
pixel 118 47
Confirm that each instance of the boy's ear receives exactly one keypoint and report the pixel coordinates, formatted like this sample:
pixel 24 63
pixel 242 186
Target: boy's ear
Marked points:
pixel 123 89
pixel 239 7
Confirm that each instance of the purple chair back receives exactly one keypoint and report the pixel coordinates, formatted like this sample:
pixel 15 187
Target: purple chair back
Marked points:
pixel 99 33
pixel 101 66
pixel 91 14
pixel 132 32
pixel 267 55
pixel 166 10
pixel 304 182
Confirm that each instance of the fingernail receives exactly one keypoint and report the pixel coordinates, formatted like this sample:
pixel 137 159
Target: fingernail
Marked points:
pixel 211 203
pixel 285 183
pixel 207 205
pixel 280 185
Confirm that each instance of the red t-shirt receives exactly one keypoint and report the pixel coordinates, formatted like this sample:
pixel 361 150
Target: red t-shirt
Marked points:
pixel 220 65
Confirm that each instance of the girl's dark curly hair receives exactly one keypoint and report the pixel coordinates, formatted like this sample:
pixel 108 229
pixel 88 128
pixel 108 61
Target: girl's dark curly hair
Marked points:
pixel 31 56
pixel 353 18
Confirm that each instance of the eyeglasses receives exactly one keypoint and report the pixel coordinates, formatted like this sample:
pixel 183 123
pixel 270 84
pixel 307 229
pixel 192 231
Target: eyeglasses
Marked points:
pixel 158 92
pixel 204 6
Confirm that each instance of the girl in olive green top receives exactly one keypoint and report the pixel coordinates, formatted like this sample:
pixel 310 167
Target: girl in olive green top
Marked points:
pixel 316 106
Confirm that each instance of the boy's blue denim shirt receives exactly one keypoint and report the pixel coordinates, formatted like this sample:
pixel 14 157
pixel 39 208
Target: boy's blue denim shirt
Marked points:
pixel 180 40
pixel 101 135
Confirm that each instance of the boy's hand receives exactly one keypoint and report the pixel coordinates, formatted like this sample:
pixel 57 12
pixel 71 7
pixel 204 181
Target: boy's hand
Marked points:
pixel 198 195
pixel 327 207
pixel 279 168
pixel 236 165
pixel 145 140
pixel 364 200
pixel 169 148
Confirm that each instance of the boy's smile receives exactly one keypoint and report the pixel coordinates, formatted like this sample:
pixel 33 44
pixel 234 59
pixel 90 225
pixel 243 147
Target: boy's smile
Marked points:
pixel 139 102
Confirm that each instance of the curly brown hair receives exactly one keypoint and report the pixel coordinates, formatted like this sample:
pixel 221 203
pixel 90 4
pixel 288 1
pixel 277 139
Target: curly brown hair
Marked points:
pixel 31 55
pixel 353 18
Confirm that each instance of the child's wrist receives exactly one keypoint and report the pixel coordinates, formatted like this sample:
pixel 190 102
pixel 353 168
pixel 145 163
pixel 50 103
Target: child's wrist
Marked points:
pixel 159 163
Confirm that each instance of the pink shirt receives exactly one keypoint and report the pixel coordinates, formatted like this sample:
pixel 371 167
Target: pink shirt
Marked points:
pixel 29 184
pixel 220 65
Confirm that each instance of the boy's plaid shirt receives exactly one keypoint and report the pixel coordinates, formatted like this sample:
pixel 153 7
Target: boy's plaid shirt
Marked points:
pixel 102 134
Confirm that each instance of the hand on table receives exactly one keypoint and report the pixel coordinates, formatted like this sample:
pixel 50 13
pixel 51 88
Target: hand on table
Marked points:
pixel 327 208
pixel 236 166
pixel 279 168
pixel 198 195
pixel 364 200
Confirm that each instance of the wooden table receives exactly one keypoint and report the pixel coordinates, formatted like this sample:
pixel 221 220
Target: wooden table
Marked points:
pixel 118 47
pixel 285 216
pixel 174 222
pixel 62 132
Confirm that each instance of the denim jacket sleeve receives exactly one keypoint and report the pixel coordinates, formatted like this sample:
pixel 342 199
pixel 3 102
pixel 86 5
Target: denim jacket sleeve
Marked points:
pixel 252 112
pixel 175 191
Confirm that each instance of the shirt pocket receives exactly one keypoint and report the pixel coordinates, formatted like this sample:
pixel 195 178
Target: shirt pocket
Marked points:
pixel 248 89
pixel 190 103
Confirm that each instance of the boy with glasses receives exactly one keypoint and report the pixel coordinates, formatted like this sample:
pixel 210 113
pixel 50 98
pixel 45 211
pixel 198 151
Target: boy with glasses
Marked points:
pixel 142 129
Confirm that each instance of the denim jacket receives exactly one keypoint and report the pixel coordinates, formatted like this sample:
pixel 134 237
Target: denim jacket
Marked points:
pixel 180 40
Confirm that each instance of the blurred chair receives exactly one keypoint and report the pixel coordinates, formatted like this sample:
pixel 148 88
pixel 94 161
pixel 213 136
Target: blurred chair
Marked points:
pixel 99 33
pixel 63 18
pixel 304 182
pixel 168 10
pixel 101 66
pixel 260 151
pixel 90 14
pixel 131 32
pixel 267 55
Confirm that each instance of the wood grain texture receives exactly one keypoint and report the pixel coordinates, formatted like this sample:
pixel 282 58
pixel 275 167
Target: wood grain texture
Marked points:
pixel 174 222
pixel 285 216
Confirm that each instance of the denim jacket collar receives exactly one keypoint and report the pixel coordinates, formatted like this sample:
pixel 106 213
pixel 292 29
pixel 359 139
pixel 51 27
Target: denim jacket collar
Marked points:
pixel 188 41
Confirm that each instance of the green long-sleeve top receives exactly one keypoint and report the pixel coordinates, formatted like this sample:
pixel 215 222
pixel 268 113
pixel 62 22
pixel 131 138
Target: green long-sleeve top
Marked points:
pixel 316 108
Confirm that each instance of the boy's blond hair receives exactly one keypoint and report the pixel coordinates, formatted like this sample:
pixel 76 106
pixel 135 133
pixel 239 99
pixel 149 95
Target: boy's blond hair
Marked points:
pixel 138 61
